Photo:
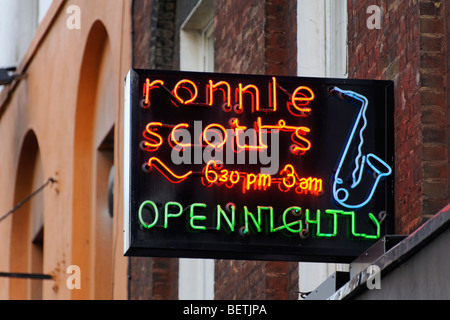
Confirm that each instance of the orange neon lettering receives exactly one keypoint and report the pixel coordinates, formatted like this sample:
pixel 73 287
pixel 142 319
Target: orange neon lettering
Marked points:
pixel 149 86
pixel 299 99
pixel 251 179
pixel 264 181
pixel 208 171
pixel 177 143
pixel 298 148
pixel 255 97
pixel 311 185
pixel 166 172
pixel 214 173
pixel 153 145
pixel 280 126
pixel 240 130
pixel 236 180
pixel 224 176
pixel 194 94
pixel 225 136
pixel 258 181
pixel 290 172
pixel 226 94
pixel 273 94
pixel 298 132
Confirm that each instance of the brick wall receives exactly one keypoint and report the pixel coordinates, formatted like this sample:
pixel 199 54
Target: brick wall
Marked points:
pixel 152 279
pixel 154 34
pixel 434 101
pixel 410 49
pixel 256 37
pixel 239 36
pixel 281 38
pixel 165 35
pixel 447 62
pixel 141 41
pixel 153 47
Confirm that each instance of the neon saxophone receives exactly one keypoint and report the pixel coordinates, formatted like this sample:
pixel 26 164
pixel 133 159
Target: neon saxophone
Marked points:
pixel 382 170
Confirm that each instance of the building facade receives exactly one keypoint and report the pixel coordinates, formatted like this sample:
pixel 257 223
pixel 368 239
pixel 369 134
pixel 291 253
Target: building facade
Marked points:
pixel 67 98
pixel 62 127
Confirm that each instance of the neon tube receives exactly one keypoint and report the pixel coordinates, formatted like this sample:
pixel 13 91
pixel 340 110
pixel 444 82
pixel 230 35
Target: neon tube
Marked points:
pixel 166 172
pixel 340 194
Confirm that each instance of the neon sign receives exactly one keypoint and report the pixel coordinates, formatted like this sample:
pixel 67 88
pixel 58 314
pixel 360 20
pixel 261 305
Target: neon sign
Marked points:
pixel 256 167
pixel 215 174
pixel 226 219
pixel 380 171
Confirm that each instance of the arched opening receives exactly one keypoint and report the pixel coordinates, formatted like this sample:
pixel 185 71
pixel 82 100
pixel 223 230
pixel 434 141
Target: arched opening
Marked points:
pixel 27 232
pixel 93 159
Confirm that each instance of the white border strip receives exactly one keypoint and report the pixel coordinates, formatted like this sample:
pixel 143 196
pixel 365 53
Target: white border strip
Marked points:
pixel 126 171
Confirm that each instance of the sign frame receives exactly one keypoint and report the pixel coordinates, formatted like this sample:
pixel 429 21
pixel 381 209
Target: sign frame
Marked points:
pixel 136 239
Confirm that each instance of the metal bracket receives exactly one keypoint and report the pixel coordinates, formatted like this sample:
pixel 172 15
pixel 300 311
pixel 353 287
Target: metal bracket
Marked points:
pixel 373 253
pixel 7 75
pixel 32 276
pixel 329 286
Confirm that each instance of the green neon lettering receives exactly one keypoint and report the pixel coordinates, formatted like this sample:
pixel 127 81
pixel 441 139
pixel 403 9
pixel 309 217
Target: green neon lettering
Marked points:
pixel 148 204
pixel 317 222
pixel 351 214
pixel 307 219
pixel 270 209
pixel 148 216
pixel 193 217
pixel 222 213
pixel 363 235
pixel 311 221
pixel 168 215
pixel 377 225
pixel 257 223
pixel 334 213
pixel 287 225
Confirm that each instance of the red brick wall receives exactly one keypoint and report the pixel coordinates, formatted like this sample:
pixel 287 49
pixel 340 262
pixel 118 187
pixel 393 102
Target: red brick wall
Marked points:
pixel 434 104
pixel 447 63
pixel 239 36
pixel 281 38
pixel 152 278
pixel 142 40
pixel 393 53
pixel 256 37
pixel 410 49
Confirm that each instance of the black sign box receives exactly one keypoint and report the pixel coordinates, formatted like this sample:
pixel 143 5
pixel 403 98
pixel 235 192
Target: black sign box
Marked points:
pixel 252 167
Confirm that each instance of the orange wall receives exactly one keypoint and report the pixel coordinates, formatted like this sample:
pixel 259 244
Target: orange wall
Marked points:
pixel 71 97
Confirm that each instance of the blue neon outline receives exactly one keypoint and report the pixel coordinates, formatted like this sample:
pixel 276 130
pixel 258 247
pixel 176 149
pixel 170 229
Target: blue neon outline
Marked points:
pixel 364 159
